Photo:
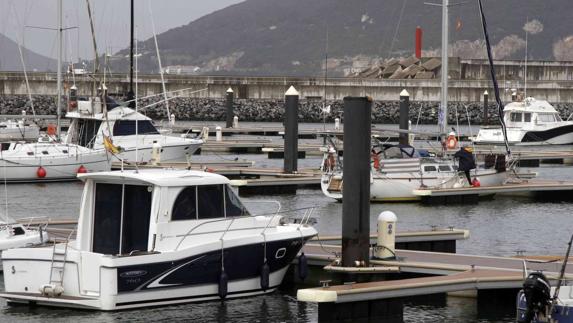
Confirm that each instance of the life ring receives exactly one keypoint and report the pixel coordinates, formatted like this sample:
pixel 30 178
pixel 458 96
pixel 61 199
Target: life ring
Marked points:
pixel 451 142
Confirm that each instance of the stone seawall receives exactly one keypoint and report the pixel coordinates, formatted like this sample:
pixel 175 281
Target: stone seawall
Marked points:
pixel 197 109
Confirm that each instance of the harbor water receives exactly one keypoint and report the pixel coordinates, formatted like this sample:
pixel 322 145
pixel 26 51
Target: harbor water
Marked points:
pixel 501 227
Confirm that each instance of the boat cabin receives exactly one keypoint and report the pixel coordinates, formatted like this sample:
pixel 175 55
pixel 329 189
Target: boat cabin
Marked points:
pixel 130 213
pixel 89 123
pixel 530 112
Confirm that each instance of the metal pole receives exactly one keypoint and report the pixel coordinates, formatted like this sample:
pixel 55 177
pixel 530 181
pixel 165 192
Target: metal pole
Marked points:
pixel 291 131
pixel 444 96
pixel 356 196
pixel 230 114
pixel 485 107
pixel 130 94
pixel 59 97
pixel 404 111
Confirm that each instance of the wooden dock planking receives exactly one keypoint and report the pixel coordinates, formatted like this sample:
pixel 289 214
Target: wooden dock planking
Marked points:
pixel 468 280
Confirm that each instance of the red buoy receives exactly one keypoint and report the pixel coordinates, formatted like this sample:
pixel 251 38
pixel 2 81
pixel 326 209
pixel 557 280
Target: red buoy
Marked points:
pixel 476 183
pixel 82 170
pixel 41 172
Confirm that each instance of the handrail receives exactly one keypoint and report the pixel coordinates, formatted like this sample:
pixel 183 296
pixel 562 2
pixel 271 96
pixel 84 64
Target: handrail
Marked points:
pixel 232 220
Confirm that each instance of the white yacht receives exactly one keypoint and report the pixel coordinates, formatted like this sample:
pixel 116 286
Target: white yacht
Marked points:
pixel 131 132
pixel 396 171
pixel 49 161
pixel 529 122
pixel 157 237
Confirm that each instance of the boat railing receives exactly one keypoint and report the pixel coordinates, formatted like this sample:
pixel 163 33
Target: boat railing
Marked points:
pixel 302 221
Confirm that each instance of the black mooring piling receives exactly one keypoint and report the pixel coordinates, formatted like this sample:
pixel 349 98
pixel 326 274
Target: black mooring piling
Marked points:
pixel 229 104
pixel 356 179
pixel 291 131
pixel 404 111
pixel 485 104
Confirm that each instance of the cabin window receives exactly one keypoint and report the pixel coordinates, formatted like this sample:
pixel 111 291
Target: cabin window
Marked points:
pixel 210 201
pixel 233 206
pixel 127 127
pixel 430 168
pixel 45 152
pixel 444 168
pixel 121 218
pixel 185 206
pixel 546 117
pixel 515 117
pixel 527 117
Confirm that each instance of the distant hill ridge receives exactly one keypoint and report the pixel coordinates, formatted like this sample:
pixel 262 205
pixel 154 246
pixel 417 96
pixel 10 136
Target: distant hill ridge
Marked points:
pixel 10 58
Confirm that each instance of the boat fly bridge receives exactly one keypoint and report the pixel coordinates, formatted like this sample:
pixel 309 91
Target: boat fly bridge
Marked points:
pixel 99 124
pixel 158 237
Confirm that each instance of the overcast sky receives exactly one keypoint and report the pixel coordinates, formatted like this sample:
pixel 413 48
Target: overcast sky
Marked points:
pixel 111 22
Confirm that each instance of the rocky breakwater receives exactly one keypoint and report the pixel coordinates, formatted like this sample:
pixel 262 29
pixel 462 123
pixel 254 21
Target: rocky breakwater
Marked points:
pixel 198 109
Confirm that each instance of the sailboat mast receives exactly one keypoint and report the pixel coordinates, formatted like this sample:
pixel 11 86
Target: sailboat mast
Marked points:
pixel 444 96
pixel 59 84
pixel 130 95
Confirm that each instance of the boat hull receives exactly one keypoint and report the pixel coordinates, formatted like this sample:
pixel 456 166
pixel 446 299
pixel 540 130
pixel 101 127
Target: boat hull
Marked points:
pixel 179 277
pixel 562 135
pixel 65 168
pixel 401 188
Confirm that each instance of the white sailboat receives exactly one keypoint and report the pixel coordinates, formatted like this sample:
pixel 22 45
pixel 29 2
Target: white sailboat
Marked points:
pixel 49 159
pixel 396 171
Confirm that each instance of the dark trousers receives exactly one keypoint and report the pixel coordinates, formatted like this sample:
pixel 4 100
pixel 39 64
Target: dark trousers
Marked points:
pixel 467 172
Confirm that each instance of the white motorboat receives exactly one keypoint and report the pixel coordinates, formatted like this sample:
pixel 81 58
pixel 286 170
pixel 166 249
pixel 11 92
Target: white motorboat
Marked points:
pixel 529 122
pixel 18 130
pixel 49 161
pixel 128 130
pixel 396 171
pixel 157 237
pixel 18 235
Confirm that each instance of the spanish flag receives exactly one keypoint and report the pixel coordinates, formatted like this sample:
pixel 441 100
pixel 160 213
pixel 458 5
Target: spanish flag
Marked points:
pixel 109 146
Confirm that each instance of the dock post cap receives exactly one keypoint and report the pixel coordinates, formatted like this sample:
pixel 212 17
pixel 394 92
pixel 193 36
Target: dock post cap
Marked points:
pixel 316 295
pixel 404 93
pixel 291 91
pixel 387 216
pixel 485 92
pixel 229 90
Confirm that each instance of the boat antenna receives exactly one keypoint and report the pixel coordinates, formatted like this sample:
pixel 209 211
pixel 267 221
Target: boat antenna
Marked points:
pixel 130 94
pixel 325 78
pixel 525 71
pixel 59 83
pixel 494 79
pixel 159 62
pixel 96 60
pixel 24 69
pixel 136 108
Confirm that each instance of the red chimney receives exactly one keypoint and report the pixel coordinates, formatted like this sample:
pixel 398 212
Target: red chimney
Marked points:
pixel 418 42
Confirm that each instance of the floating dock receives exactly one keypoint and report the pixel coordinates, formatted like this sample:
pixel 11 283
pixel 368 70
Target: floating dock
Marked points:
pixel 496 279
pixel 545 189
